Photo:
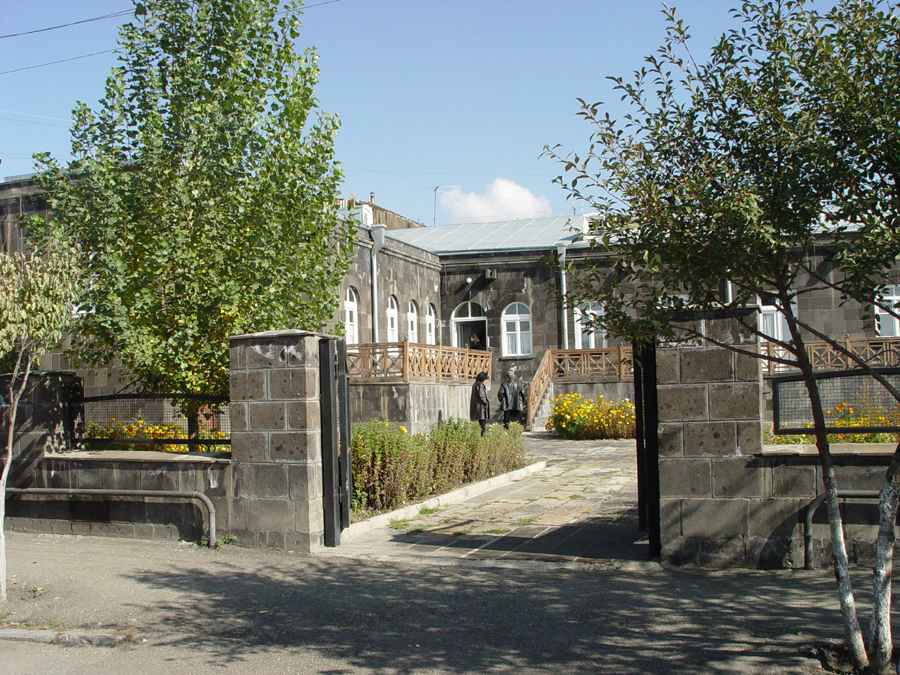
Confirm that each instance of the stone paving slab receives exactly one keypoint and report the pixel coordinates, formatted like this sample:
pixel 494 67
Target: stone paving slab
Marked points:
pixel 581 507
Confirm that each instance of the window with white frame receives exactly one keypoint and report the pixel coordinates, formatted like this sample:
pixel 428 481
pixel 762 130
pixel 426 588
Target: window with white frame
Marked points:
pixel 588 335
pixel 772 323
pixel 412 322
pixel 393 332
pixel 430 325
pixel 887 325
pixel 516 322
pixel 351 316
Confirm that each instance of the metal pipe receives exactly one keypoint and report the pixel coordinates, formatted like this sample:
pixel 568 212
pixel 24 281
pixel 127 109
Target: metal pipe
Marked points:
pixel 811 509
pixel 561 252
pixel 104 492
pixel 377 244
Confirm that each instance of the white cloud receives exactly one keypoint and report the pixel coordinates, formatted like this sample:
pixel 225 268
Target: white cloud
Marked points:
pixel 503 199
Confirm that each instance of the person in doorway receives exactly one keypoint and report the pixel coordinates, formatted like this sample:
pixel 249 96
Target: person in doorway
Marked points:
pixel 512 400
pixel 479 405
pixel 474 341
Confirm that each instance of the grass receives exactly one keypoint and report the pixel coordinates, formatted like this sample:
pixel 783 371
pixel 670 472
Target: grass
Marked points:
pixel 528 520
pixel 430 510
pixel 400 524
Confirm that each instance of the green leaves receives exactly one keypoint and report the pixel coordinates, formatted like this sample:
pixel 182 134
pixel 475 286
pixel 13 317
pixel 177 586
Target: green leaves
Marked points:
pixel 203 192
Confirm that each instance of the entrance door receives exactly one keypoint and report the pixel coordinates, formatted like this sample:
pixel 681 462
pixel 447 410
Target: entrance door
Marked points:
pixel 334 412
pixel 472 334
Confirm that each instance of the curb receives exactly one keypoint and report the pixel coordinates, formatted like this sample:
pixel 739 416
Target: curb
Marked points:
pixel 453 497
pixel 55 637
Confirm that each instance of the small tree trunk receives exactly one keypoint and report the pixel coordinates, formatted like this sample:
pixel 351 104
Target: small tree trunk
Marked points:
pixel 880 635
pixel 15 395
pixel 855 643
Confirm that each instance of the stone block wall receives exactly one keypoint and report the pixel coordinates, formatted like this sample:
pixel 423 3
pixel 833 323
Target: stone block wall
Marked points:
pixel 137 517
pixel 417 406
pixel 276 440
pixel 724 499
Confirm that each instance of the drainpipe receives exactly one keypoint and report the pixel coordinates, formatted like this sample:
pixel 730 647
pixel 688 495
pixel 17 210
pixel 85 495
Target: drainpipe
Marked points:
pixel 377 244
pixel 561 253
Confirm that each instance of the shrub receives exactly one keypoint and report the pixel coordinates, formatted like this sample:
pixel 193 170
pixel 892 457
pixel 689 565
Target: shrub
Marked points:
pixel 138 429
pixel 576 417
pixel 392 467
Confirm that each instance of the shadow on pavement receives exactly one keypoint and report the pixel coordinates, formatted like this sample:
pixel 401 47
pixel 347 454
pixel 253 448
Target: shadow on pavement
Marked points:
pixel 385 616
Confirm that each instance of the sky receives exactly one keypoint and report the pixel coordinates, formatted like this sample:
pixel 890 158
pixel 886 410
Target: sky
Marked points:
pixel 462 95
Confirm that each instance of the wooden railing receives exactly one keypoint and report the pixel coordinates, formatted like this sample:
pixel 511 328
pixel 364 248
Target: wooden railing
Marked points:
pixel 594 365
pixel 876 352
pixel 414 362
pixel 540 382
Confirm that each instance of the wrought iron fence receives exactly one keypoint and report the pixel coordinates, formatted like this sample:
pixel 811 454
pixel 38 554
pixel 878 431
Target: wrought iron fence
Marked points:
pixel 853 402
pixel 170 422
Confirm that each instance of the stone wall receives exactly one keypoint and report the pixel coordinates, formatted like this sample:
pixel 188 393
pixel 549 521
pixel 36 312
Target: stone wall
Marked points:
pixel 725 499
pixel 276 440
pixel 614 391
pixel 139 517
pixel 417 406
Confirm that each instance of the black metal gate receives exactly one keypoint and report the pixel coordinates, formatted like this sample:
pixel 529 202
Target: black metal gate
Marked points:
pixel 647 423
pixel 335 413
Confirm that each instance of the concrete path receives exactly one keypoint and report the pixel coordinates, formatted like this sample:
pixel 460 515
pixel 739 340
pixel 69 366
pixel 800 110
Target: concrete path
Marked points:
pixel 581 508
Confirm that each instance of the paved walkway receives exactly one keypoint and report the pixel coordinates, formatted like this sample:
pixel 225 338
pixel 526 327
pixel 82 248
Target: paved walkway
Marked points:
pixel 583 507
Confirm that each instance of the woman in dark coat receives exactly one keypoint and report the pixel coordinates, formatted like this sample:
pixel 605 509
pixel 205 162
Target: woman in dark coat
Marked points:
pixel 479 405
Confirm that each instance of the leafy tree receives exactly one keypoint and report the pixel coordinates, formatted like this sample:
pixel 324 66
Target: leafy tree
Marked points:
pixel 203 192
pixel 37 296
pixel 773 166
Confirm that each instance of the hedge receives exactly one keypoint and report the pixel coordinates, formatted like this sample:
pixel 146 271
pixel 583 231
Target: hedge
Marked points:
pixel 392 467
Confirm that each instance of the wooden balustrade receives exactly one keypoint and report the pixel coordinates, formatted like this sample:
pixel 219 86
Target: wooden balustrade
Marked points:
pixel 593 365
pixel 878 352
pixel 540 382
pixel 414 362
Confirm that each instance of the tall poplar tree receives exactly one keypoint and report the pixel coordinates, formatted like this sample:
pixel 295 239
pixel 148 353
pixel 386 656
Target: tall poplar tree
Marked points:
pixel 202 192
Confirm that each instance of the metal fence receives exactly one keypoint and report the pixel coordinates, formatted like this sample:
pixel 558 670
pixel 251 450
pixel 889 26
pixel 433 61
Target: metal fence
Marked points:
pixel 172 422
pixel 853 402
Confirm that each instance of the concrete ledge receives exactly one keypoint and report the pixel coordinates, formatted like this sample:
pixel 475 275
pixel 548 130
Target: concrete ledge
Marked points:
pixel 446 499
pixel 836 449
pixel 134 456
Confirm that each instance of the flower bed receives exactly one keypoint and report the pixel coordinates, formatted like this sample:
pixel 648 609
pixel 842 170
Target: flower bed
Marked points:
pixel 125 433
pixel 392 467
pixel 576 417
pixel 845 415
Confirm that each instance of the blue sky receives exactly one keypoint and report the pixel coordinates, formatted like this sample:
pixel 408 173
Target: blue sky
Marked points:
pixel 430 92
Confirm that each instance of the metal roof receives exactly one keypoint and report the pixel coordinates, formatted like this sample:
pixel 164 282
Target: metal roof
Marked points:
pixel 505 235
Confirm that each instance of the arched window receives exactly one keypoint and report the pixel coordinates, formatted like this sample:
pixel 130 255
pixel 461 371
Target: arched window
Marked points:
pixel 516 321
pixel 587 334
pixel 430 325
pixel 412 322
pixel 469 326
pixel 393 332
pixel 351 316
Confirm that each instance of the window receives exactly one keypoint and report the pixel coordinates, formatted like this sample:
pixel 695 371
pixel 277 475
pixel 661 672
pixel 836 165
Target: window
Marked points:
pixel 469 326
pixel 587 334
pixel 351 316
pixel 887 325
pixel 412 322
pixel 516 321
pixel 772 323
pixel 430 325
pixel 393 332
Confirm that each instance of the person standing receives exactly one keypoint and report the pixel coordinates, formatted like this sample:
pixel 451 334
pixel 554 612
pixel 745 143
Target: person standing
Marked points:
pixel 512 400
pixel 479 405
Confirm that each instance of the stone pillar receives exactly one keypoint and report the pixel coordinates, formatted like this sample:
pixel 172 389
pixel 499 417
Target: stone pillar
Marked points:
pixel 276 440
pixel 712 483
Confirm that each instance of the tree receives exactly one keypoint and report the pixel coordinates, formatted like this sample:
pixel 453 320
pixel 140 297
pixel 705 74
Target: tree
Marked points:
pixel 37 296
pixel 202 193
pixel 777 158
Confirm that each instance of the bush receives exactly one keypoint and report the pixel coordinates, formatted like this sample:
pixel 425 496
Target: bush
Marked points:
pixel 392 467
pixel 576 417
pixel 137 429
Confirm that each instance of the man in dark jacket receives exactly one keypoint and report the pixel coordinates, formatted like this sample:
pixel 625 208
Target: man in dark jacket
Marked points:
pixel 479 405
pixel 512 400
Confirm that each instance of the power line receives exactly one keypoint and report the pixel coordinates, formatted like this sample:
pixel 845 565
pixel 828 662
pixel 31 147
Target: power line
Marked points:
pixel 103 51
pixel 52 63
pixel 111 15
